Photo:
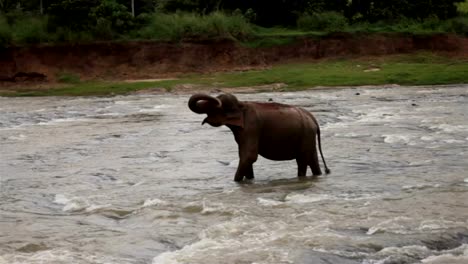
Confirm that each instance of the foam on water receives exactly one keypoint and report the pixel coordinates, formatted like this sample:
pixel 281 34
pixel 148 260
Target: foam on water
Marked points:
pixel 406 225
pixel 450 128
pixel 395 225
pixel 217 208
pixel 400 254
pixel 428 138
pixel 240 240
pixel 301 198
pixel 378 115
pixel 76 204
pixel 62 120
pixel 249 239
pixel 19 137
pixel 454 256
pixel 433 226
pixel 268 202
pixel 60 256
pixel 71 204
pixel 293 198
pixel 417 254
pixel 156 108
pixel 397 139
pixel 446 259
pixel 420 186
pixel 153 202
pixel 454 141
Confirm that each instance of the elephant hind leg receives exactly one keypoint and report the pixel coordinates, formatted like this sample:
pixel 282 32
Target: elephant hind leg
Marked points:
pixel 314 164
pixel 301 167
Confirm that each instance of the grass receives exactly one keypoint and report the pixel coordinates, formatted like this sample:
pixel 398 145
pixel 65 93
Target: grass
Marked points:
pixel 68 77
pixel 404 70
pixel 90 88
pixel 416 69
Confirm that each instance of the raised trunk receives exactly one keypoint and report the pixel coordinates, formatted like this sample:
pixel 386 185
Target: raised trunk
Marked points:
pixel 201 103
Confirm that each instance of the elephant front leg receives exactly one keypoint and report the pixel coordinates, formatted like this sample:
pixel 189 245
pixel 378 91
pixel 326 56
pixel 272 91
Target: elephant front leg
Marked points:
pixel 245 169
pixel 248 154
pixel 250 173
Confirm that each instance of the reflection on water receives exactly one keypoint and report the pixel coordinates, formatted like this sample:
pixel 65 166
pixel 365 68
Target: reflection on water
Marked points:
pixel 136 179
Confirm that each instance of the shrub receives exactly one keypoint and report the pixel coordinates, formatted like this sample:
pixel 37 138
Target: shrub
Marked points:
pixel 5 32
pixel 221 25
pixel 250 15
pixel 74 15
pixel 432 23
pixel 67 77
pixel 110 14
pixel 462 7
pixel 429 25
pixel 457 25
pixel 103 29
pixel 65 34
pixel 189 25
pixel 326 21
pixel 163 27
pixel 30 29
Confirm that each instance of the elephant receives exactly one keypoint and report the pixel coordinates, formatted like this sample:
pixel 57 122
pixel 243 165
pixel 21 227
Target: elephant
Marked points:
pixel 273 130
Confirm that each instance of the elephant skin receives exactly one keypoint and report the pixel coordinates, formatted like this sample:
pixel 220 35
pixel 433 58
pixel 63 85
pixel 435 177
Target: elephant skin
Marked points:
pixel 275 131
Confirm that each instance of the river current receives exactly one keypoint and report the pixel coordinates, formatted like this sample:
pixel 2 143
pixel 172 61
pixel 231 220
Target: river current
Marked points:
pixel 137 179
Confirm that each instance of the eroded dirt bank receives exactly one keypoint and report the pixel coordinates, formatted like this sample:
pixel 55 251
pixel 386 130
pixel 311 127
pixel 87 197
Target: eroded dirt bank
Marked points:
pixel 146 59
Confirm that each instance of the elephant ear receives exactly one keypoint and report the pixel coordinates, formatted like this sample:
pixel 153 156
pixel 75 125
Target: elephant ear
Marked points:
pixel 235 118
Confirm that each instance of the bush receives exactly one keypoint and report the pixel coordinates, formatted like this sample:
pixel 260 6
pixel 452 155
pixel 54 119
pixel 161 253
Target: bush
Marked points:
pixel 64 34
pixel 326 21
pixel 29 29
pixel 462 8
pixel 111 15
pixel 403 25
pixel 218 24
pixel 5 33
pixel 74 15
pixel 103 29
pixel 164 27
pixel 67 77
pixel 457 25
pixel 178 26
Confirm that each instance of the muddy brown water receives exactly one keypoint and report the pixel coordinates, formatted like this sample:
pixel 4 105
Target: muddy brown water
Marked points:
pixel 137 179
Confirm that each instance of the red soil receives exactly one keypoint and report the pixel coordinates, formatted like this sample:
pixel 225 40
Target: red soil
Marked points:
pixel 147 59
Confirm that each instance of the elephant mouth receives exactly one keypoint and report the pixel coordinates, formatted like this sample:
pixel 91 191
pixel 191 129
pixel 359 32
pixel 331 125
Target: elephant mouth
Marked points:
pixel 211 122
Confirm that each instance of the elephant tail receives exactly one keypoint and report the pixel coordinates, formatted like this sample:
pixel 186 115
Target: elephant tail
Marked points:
pixel 327 170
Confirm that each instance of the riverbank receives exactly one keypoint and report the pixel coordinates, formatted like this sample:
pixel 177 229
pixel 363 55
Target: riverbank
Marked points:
pixel 334 60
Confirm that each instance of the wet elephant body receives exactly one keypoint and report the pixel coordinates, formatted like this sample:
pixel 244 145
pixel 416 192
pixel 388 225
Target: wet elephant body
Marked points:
pixel 274 131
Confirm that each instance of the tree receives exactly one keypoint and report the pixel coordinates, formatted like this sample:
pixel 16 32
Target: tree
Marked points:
pixel 72 14
pixel 375 10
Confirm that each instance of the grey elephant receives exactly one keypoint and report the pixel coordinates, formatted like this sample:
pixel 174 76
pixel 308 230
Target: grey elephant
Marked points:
pixel 275 131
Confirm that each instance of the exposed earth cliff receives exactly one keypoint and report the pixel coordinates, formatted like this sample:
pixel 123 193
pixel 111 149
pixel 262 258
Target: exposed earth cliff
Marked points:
pixel 146 59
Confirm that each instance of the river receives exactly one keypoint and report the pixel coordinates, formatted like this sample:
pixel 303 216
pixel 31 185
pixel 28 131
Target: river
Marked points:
pixel 137 179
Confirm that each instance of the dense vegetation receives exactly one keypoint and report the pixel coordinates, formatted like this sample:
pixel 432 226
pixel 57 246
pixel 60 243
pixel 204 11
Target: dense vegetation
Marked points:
pixel 39 21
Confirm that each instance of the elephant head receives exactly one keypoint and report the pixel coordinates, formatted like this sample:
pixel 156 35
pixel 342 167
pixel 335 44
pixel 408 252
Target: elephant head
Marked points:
pixel 224 109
